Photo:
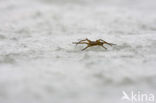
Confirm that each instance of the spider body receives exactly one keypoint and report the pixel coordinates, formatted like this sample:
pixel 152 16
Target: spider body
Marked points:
pixel 90 43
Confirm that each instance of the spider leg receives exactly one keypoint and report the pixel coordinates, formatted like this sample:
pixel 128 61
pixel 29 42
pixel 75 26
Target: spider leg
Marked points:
pixel 109 43
pixel 102 40
pixel 80 43
pixel 85 48
pixel 82 40
pixel 87 40
pixel 103 47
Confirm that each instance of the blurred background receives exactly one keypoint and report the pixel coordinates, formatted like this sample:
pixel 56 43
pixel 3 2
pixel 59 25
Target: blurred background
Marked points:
pixel 39 63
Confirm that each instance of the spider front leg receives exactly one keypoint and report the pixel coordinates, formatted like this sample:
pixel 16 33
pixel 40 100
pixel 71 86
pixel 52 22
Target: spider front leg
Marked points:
pixel 107 42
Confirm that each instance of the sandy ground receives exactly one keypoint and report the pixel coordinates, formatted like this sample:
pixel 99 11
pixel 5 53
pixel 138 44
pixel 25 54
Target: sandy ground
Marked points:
pixel 39 63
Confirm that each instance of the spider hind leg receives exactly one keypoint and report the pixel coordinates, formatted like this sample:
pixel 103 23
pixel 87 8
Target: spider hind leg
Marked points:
pixel 85 48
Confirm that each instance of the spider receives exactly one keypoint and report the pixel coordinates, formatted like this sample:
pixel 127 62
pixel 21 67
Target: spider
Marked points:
pixel 90 43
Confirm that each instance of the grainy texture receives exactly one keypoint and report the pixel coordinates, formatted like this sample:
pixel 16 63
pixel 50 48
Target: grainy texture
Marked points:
pixel 39 63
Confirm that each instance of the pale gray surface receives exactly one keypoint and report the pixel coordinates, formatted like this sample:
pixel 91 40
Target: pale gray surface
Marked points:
pixel 39 63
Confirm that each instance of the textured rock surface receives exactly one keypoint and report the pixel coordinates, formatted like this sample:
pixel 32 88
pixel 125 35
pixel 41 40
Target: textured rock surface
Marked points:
pixel 39 63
